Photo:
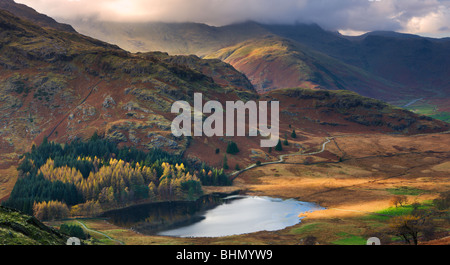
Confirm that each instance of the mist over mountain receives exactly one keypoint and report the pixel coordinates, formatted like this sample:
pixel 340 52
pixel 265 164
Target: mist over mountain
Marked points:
pixel 86 128
pixel 387 65
pixel 429 17
pixel 65 86
pixel 26 12
pixel 408 66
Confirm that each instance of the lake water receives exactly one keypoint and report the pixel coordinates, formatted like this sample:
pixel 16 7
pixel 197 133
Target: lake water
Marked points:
pixel 212 216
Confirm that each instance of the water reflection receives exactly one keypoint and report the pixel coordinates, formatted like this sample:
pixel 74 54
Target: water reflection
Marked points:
pixel 212 216
pixel 153 217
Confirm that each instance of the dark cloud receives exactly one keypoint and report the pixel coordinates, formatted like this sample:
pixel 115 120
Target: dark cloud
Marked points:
pixel 413 16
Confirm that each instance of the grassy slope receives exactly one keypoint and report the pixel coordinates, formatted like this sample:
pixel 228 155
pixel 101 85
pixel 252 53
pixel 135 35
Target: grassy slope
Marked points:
pixel 272 62
pixel 30 14
pixel 412 61
pixel 352 107
pixel 407 59
pixel 27 47
pixel 356 192
pixel 73 85
pixel 19 229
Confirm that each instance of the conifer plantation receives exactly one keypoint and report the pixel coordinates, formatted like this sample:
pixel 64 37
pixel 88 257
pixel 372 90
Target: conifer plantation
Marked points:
pixel 84 178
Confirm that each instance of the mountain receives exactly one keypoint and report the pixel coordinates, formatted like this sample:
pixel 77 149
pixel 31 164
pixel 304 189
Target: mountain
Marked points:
pixel 406 59
pixel 64 86
pixel 397 68
pixel 17 228
pixel 274 62
pixel 61 86
pixel 28 13
pixel 173 38
pixel 416 65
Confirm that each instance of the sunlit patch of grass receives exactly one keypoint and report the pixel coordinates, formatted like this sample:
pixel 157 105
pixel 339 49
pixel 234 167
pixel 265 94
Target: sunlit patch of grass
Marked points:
pixel 307 228
pixel 429 110
pixel 402 210
pixel 443 116
pixel 406 191
pixel 349 239
pixel 376 217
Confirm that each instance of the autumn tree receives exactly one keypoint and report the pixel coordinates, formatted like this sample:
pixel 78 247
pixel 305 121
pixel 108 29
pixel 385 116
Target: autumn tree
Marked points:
pixel 96 172
pixel 89 208
pixel 50 210
pixel 152 191
pixel 399 200
pixel 408 227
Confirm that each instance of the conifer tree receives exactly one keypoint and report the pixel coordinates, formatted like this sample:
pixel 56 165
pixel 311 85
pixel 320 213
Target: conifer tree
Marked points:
pixel 225 162
pixel 279 147
pixel 232 148
pixel 285 142
pixel 293 134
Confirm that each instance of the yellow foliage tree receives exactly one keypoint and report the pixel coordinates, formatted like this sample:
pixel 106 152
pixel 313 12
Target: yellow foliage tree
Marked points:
pixel 50 210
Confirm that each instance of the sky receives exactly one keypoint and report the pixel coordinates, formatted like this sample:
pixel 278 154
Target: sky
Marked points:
pixel 350 17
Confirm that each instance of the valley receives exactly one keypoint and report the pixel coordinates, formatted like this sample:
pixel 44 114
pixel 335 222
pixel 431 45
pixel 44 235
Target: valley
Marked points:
pixel 384 65
pixel 356 192
pixel 85 126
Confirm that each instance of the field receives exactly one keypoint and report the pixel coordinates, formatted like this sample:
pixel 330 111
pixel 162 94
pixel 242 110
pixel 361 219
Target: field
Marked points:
pixel 355 191
pixel 435 108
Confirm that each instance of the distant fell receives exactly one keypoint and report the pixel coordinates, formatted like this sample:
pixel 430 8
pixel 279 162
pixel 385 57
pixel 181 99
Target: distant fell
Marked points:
pixel 412 65
pixel 28 13
pixel 273 62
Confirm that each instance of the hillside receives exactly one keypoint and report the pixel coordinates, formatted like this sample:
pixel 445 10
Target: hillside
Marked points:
pixel 403 67
pixel 406 59
pixel 28 13
pixel 58 86
pixel 173 38
pixel 20 229
pixel 417 64
pixel 65 86
pixel 273 62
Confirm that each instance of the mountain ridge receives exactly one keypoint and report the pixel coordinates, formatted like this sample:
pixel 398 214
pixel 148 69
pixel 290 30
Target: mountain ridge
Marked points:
pixel 66 86
pixel 412 62
pixel 26 12
pixel 272 61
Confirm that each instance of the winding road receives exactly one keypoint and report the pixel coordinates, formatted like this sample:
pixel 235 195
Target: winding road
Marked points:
pixel 412 102
pixel 97 232
pixel 328 140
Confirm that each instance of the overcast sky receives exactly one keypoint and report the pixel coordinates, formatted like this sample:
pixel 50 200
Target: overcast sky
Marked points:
pixel 423 17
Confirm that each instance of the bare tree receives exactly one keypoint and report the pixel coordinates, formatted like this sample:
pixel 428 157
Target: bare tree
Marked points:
pixel 399 200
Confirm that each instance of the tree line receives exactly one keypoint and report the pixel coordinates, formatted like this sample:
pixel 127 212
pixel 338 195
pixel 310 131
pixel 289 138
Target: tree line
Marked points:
pixel 97 172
